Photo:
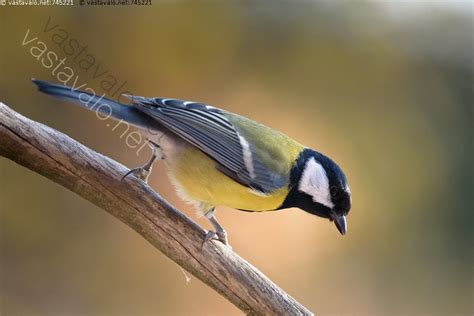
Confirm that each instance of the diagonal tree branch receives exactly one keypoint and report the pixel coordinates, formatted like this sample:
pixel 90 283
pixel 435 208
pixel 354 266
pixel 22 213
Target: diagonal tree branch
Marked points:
pixel 97 179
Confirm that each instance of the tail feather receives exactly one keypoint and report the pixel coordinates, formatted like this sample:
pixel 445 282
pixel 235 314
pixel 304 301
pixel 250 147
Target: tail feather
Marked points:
pixel 104 106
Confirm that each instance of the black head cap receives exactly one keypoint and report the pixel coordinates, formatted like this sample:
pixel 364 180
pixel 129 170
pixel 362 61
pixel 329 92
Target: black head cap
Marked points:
pixel 319 186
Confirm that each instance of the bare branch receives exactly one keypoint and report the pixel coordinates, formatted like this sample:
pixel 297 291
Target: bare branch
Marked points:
pixel 97 179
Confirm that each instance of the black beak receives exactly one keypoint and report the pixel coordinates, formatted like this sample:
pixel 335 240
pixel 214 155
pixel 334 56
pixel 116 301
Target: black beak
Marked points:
pixel 340 222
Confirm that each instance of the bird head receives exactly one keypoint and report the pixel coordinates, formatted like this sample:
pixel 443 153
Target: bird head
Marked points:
pixel 319 187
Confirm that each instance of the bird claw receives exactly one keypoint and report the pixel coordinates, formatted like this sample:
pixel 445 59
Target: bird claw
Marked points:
pixel 139 172
pixel 144 171
pixel 219 235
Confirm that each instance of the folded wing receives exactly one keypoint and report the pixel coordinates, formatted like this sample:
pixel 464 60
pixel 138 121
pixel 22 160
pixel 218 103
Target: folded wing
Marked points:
pixel 209 129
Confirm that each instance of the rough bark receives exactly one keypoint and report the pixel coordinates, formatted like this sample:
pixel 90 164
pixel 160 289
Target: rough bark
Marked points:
pixel 98 179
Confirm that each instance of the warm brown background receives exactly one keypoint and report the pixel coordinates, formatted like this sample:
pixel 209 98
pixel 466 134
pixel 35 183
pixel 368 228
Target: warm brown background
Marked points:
pixel 386 90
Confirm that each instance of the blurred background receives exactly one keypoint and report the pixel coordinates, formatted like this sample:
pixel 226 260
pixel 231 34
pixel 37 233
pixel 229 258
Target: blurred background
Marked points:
pixel 384 88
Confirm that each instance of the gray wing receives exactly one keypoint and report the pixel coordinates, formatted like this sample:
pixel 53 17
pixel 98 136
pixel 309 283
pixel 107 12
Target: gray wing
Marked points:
pixel 208 129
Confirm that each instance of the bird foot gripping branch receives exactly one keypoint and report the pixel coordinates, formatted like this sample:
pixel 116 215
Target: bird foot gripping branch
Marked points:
pixel 220 233
pixel 143 172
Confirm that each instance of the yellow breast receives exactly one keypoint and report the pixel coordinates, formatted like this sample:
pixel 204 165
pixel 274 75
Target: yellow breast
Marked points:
pixel 197 178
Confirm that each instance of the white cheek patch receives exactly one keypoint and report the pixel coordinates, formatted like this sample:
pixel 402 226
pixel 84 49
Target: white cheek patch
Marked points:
pixel 315 183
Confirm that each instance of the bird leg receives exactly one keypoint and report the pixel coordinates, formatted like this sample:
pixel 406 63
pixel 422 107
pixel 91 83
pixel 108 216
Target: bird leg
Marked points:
pixel 220 233
pixel 144 171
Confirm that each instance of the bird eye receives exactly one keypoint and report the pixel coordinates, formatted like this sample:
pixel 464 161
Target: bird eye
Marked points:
pixel 334 191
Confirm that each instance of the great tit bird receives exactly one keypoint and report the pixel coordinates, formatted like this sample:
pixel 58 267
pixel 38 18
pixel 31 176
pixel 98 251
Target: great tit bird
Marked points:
pixel 218 158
